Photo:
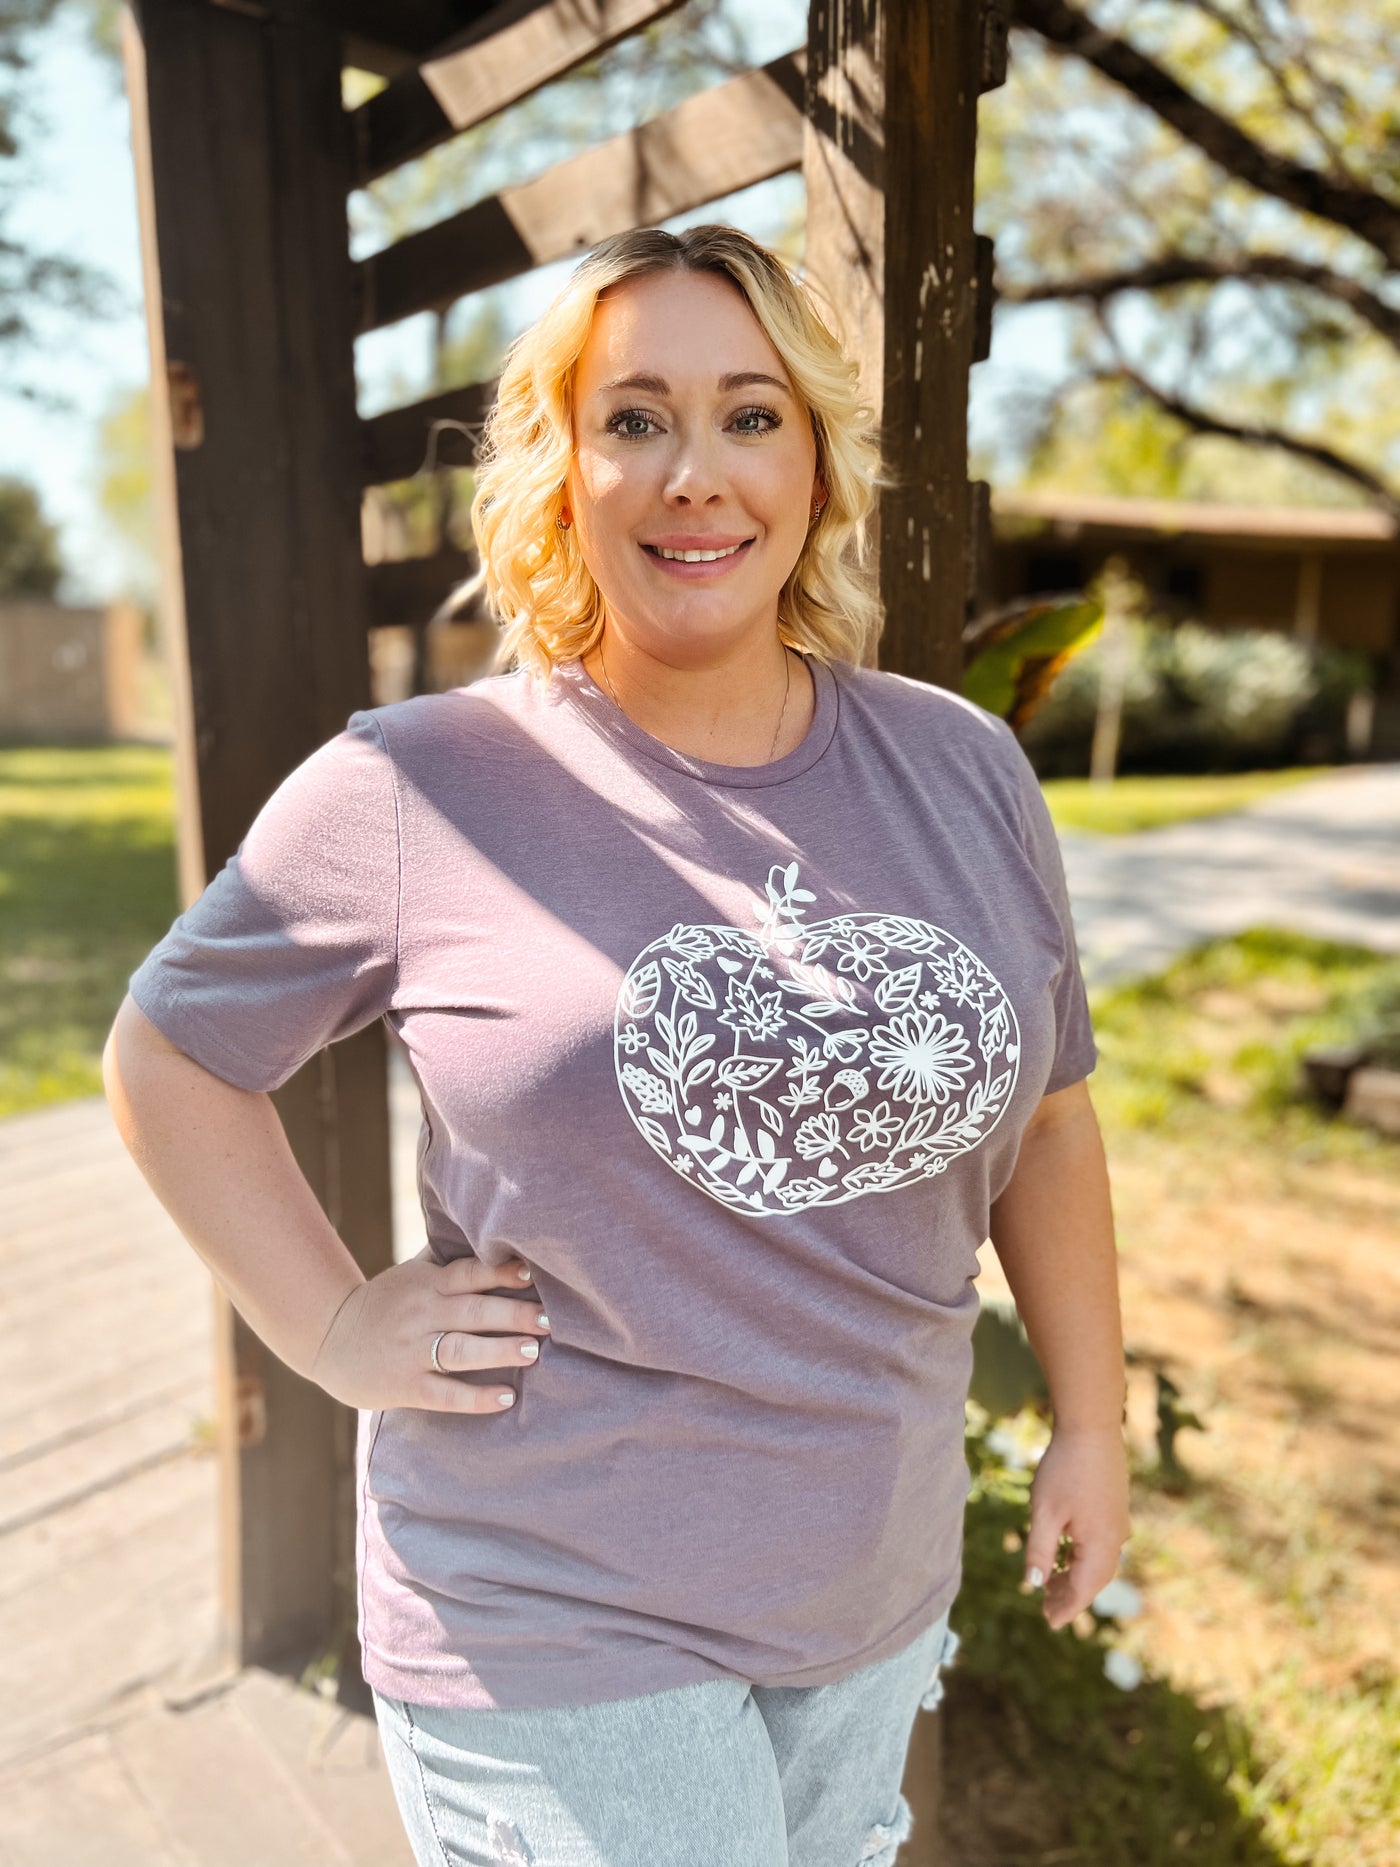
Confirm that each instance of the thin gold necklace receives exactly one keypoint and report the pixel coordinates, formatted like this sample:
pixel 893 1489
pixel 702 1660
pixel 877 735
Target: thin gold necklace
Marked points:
pixel 787 686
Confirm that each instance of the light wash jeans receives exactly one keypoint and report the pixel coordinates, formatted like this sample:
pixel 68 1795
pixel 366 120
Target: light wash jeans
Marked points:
pixel 719 1774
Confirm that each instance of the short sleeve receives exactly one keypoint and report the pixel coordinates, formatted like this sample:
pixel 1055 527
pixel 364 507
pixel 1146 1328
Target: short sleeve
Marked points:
pixel 293 944
pixel 1076 1052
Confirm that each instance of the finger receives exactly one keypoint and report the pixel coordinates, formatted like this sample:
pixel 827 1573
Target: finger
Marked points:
pixel 1042 1547
pixel 489 1313
pixel 444 1395
pixel 1071 1591
pixel 459 1351
pixel 467 1274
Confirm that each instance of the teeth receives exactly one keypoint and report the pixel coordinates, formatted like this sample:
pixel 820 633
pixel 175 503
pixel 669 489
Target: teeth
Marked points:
pixel 696 557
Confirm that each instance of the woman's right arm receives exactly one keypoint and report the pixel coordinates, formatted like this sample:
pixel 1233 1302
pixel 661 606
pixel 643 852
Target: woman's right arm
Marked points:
pixel 218 1159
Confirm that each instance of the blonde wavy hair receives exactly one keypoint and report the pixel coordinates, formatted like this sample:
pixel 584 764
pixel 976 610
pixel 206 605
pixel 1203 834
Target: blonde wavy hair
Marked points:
pixel 535 580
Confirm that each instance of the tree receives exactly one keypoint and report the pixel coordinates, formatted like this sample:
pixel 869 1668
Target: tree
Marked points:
pixel 1213 188
pixel 30 280
pixel 124 486
pixel 30 564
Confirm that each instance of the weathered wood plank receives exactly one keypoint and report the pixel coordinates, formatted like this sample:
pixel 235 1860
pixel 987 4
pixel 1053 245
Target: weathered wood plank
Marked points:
pixel 336 1761
pixel 131 1615
pixel 389 35
pixel 394 445
pixel 221 1794
pixel 740 132
pixel 79 1807
pixel 511 52
pixel 267 591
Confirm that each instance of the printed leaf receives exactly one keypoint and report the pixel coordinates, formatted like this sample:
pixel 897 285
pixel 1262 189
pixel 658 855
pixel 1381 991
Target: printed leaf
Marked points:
pixel 768 1115
pixel 654 1133
pixel 640 992
pixel 649 1090
pixel 693 986
pixel 746 1072
pixel 898 990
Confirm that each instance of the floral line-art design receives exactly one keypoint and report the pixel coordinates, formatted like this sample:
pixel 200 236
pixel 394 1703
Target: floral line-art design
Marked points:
pixel 806 1064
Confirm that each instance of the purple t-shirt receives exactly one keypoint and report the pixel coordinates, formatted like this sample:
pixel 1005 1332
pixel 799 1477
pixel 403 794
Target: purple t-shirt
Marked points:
pixel 736 1058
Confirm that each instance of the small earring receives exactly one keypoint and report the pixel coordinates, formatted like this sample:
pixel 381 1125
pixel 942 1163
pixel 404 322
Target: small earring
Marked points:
pixel 562 524
pixel 818 506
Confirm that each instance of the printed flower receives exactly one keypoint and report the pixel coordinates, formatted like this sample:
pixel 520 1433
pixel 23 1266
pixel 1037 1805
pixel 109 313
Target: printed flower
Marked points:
pixel 818 1135
pixel 724 1100
pixel 929 1163
pixel 843 1046
pixel 857 954
pixel 930 1001
pixel 924 1056
pixel 875 1127
pixel 632 1040
pixel 757 1014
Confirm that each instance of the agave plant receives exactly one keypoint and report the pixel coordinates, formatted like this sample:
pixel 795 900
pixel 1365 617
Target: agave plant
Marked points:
pixel 1012 655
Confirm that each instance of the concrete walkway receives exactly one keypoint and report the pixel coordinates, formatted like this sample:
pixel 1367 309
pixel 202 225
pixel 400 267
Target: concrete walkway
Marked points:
pixel 1321 858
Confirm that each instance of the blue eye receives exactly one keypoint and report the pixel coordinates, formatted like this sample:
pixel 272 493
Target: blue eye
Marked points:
pixel 614 423
pixel 757 413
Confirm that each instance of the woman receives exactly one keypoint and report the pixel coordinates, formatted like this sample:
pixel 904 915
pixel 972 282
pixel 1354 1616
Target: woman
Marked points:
pixel 741 990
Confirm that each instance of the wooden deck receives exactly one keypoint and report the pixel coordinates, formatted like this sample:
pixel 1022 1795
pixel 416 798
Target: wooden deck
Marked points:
pixel 122 1741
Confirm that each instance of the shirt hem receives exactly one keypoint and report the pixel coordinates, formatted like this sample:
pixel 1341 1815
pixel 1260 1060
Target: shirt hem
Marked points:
pixel 590 1678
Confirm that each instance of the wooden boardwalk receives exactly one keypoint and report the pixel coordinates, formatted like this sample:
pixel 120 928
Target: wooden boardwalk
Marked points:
pixel 122 1741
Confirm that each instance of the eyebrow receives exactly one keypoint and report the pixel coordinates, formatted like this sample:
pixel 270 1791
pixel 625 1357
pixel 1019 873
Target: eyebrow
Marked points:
pixel 657 385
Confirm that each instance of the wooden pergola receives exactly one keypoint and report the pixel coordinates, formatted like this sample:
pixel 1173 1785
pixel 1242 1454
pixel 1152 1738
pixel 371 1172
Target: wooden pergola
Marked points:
pixel 246 157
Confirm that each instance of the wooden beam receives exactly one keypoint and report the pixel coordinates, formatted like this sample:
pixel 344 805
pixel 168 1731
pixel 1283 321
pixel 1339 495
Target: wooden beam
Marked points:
pixel 409 591
pixel 394 445
pixel 729 137
pixel 399 33
pixel 514 50
pixel 891 141
pixel 249 320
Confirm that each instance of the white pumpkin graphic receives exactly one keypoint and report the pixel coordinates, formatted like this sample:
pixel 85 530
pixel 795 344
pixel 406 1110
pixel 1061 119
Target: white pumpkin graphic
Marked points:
pixel 802 1065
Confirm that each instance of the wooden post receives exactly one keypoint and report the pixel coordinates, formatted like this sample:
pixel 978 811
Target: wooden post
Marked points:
pixel 890 147
pixel 889 158
pixel 243 167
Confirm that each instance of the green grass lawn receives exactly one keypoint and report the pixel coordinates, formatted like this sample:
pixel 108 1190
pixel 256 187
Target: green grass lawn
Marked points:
pixel 87 886
pixel 1129 804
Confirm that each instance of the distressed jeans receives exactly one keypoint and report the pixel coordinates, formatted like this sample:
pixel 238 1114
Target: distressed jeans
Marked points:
pixel 719 1774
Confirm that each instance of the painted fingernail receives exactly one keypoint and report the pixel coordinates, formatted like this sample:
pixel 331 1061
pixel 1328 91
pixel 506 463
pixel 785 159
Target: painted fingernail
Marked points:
pixel 507 1399
pixel 542 1321
pixel 524 1273
pixel 1036 1579
pixel 529 1350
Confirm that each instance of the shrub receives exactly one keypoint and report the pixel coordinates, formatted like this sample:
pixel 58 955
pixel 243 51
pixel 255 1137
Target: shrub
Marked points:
pixel 1198 699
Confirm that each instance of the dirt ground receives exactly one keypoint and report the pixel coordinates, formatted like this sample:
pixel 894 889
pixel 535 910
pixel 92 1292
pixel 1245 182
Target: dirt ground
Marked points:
pixel 1269 1289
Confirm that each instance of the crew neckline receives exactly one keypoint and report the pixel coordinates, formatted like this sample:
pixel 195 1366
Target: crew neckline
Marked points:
pixel 604 714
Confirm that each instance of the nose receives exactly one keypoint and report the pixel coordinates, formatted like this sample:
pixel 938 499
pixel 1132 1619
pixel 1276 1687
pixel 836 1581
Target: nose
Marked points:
pixel 694 473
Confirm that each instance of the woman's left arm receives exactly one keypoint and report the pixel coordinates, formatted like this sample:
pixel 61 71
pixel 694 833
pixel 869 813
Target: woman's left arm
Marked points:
pixel 1053 1232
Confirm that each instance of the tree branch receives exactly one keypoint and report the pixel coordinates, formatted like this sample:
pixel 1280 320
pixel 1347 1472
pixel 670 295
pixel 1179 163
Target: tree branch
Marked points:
pixel 1359 210
pixel 1177 269
pixel 1202 422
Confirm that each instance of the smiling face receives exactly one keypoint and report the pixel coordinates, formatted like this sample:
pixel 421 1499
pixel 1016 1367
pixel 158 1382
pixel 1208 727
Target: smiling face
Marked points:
pixel 688 437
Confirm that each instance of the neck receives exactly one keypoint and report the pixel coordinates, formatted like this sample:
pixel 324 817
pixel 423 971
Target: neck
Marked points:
pixel 749 707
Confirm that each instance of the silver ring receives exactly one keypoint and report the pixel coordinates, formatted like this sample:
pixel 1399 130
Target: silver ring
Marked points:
pixel 436 1340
